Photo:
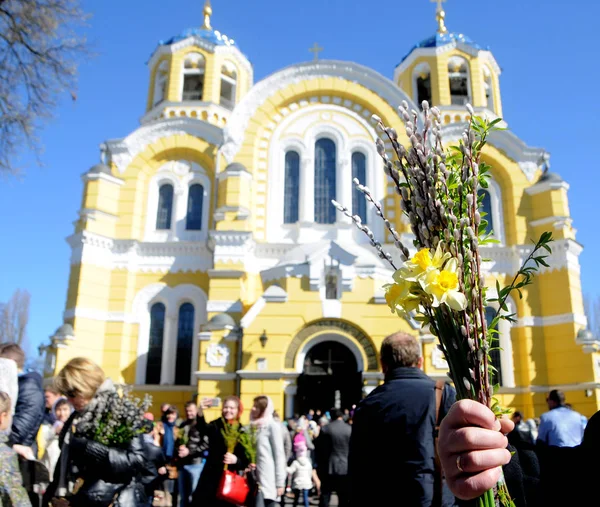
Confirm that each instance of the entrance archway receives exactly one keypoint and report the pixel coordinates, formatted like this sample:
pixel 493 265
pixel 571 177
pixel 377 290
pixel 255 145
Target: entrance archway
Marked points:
pixel 331 377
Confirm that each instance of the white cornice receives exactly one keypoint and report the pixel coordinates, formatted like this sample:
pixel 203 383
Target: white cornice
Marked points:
pixel 267 375
pixel 205 375
pixel 102 176
pixel 528 158
pixel 123 151
pixel 259 93
pixel 180 256
pixel 155 388
pixel 94 214
pixel 544 186
pixel 223 306
pixel 583 386
pixel 552 320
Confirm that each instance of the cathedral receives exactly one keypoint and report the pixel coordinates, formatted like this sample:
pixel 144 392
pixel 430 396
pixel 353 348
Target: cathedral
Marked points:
pixel 208 260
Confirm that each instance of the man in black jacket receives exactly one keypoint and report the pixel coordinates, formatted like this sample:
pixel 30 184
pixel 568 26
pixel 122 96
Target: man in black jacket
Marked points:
pixel 331 448
pixel 393 432
pixel 190 452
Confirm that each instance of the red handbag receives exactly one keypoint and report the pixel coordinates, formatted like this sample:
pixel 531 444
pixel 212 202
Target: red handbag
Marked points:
pixel 233 488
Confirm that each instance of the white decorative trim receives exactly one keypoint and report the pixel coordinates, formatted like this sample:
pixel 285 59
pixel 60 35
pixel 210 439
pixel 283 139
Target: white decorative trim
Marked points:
pixel 267 375
pixel 275 294
pixel 235 171
pixel 134 256
pixel 528 158
pixel 544 186
pixel 556 221
pixel 215 306
pixel 438 360
pixel 102 176
pixel 123 151
pixel 331 308
pixel 583 386
pixel 95 214
pixel 258 95
pixel 329 337
pixel 552 320
pixel 217 355
pixel 253 312
pixel 204 375
pixel 204 336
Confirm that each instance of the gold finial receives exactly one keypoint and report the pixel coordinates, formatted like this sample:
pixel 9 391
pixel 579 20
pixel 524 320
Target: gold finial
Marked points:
pixel 316 49
pixel 207 14
pixel 440 15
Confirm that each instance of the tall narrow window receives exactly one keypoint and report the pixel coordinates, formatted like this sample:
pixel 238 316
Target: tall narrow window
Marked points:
pixel 193 220
pixel 291 188
pixel 331 285
pixel 193 76
pixel 359 171
pixel 458 74
pixel 489 89
pixel 228 85
pixel 496 377
pixel 486 209
pixel 155 345
pixel 160 82
pixel 324 181
pixel 165 207
pixel 185 338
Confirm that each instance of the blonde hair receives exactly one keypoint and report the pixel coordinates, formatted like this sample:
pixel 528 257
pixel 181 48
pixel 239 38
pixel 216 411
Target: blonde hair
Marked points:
pixel 80 376
pixel 4 403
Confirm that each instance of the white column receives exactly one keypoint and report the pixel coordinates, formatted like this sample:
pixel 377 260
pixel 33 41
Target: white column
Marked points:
pixel 506 354
pixel 343 183
pixel 307 190
pixel 290 397
pixel 167 370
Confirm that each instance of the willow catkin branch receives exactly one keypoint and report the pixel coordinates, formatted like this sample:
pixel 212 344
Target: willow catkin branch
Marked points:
pixel 368 232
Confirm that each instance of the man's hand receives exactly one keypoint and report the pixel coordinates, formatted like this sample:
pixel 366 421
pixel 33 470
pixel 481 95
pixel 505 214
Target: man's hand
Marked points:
pixel 472 448
pixel 162 471
pixel 183 451
pixel 280 491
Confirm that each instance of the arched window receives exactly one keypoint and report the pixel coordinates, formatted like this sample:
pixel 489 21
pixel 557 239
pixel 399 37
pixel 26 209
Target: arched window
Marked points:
pixel 486 209
pixel 165 206
pixel 193 220
pixel 160 83
pixel 228 85
pixel 496 377
pixel 422 83
pixel 359 171
pixel 489 89
pixel 185 339
pixel 324 181
pixel 193 76
pixel 458 74
pixel 291 188
pixel 155 346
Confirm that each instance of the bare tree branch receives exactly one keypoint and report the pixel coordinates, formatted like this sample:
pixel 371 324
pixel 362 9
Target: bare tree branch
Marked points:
pixel 39 52
pixel 14 317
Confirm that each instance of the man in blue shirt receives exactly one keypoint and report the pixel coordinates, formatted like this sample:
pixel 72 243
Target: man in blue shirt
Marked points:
pixel 561 426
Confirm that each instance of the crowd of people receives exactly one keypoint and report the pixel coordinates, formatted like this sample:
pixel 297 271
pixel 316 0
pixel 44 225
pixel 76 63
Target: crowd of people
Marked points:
pixel 377 453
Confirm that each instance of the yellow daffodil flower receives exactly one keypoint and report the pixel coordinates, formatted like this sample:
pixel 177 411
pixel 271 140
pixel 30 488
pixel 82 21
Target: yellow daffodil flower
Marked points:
pixel 399 298
pixel 421 263
pixel 443 286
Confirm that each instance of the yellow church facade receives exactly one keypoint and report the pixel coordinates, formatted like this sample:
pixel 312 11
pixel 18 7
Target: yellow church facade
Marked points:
pixel 207 259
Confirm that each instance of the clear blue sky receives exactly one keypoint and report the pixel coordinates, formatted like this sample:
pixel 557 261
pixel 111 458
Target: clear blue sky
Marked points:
pixel 548 52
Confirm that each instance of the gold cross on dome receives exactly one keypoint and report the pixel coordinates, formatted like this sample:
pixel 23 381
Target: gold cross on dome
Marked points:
pixel 316 49
pixel 440 15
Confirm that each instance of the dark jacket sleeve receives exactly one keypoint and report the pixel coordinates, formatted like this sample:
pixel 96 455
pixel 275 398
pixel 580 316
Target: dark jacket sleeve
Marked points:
pixel 122 463
pixel 29 411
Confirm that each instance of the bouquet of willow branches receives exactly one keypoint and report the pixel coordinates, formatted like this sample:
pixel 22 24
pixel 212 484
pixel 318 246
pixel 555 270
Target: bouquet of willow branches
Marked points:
pixel 113 419
pixel 443 282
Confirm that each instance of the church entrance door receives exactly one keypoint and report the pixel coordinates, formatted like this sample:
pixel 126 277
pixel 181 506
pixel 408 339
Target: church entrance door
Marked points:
pixel 330 378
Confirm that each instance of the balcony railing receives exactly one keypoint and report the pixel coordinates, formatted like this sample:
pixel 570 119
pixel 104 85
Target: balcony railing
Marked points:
pixel 459 100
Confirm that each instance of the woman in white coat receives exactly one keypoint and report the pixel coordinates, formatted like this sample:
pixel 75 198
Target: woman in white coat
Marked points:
pixel 271 464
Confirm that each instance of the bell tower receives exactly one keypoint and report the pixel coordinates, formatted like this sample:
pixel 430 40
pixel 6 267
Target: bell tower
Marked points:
pixel 450 70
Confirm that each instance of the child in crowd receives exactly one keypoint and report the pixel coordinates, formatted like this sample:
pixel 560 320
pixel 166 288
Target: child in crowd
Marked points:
pixel 302 473
pixel 62 412
pixel 11 490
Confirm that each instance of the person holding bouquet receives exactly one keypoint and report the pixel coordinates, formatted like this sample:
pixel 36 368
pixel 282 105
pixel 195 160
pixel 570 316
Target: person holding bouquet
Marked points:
pixel 224 449
pixel 102 449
